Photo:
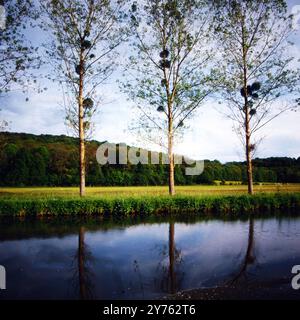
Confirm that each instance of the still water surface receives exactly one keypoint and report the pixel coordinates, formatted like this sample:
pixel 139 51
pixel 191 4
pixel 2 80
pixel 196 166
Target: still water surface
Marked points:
pixel 145 260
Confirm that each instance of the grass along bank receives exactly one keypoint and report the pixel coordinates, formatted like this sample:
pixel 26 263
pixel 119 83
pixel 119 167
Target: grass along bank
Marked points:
pixel 226 205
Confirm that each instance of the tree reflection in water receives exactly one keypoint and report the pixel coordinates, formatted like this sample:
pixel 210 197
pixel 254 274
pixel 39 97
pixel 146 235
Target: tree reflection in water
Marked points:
pixel 168 277
pixel 249 258
pixel 82 268
pixel 172 277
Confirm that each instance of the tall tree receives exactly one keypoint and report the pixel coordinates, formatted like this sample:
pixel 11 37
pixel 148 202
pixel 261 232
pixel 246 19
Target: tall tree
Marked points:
pixel 17 55
pixel 86 34
pixel 168 78
pixel 256 66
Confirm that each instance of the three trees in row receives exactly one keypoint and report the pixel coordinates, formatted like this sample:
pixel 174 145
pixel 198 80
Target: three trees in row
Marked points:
pixel 181 53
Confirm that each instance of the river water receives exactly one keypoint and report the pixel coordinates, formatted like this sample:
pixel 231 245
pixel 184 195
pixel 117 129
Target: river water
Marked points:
pixel 146 259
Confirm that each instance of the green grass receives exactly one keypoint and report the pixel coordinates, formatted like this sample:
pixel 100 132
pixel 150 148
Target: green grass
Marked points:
pixel 117 192
pixel 231 206
pixel 227 200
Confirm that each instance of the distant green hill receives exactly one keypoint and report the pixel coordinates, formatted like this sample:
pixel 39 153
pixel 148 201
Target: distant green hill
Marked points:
pixel 47 160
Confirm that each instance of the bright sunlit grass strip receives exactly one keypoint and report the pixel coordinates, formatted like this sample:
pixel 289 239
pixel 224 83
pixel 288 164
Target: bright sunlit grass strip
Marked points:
pixel 117 192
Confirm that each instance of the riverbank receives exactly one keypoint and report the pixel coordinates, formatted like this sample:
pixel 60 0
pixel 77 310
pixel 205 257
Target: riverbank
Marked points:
pixel 277 289
pixel 224 206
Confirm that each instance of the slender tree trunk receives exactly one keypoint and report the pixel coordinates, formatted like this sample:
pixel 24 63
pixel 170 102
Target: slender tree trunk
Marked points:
pixel 171 169
pixel 248 157
pixel 170 154
pixel 81 130
pixel 246 110
pixel 172 258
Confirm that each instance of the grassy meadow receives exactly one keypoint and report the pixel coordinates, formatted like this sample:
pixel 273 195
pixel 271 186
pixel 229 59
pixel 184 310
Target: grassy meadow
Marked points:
pixel 225 200
pixel 117 192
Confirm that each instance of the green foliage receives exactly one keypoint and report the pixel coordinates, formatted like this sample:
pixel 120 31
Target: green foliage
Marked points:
pixel 17 55
pixel 169 65
pixel 81 48
pixel 256 67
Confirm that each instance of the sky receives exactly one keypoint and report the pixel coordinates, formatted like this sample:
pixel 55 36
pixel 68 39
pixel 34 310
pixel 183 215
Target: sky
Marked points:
pixel 209 136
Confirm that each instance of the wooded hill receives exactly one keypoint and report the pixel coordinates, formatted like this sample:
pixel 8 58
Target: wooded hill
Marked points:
pixel 47 160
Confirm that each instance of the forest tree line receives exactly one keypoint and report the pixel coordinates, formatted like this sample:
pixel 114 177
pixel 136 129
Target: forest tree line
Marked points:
pixel 46 160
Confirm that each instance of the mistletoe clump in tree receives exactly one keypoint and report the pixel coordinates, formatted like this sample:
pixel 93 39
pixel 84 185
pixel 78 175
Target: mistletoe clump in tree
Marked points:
pixel 169 68
pixel 258 76
pixel 85 36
